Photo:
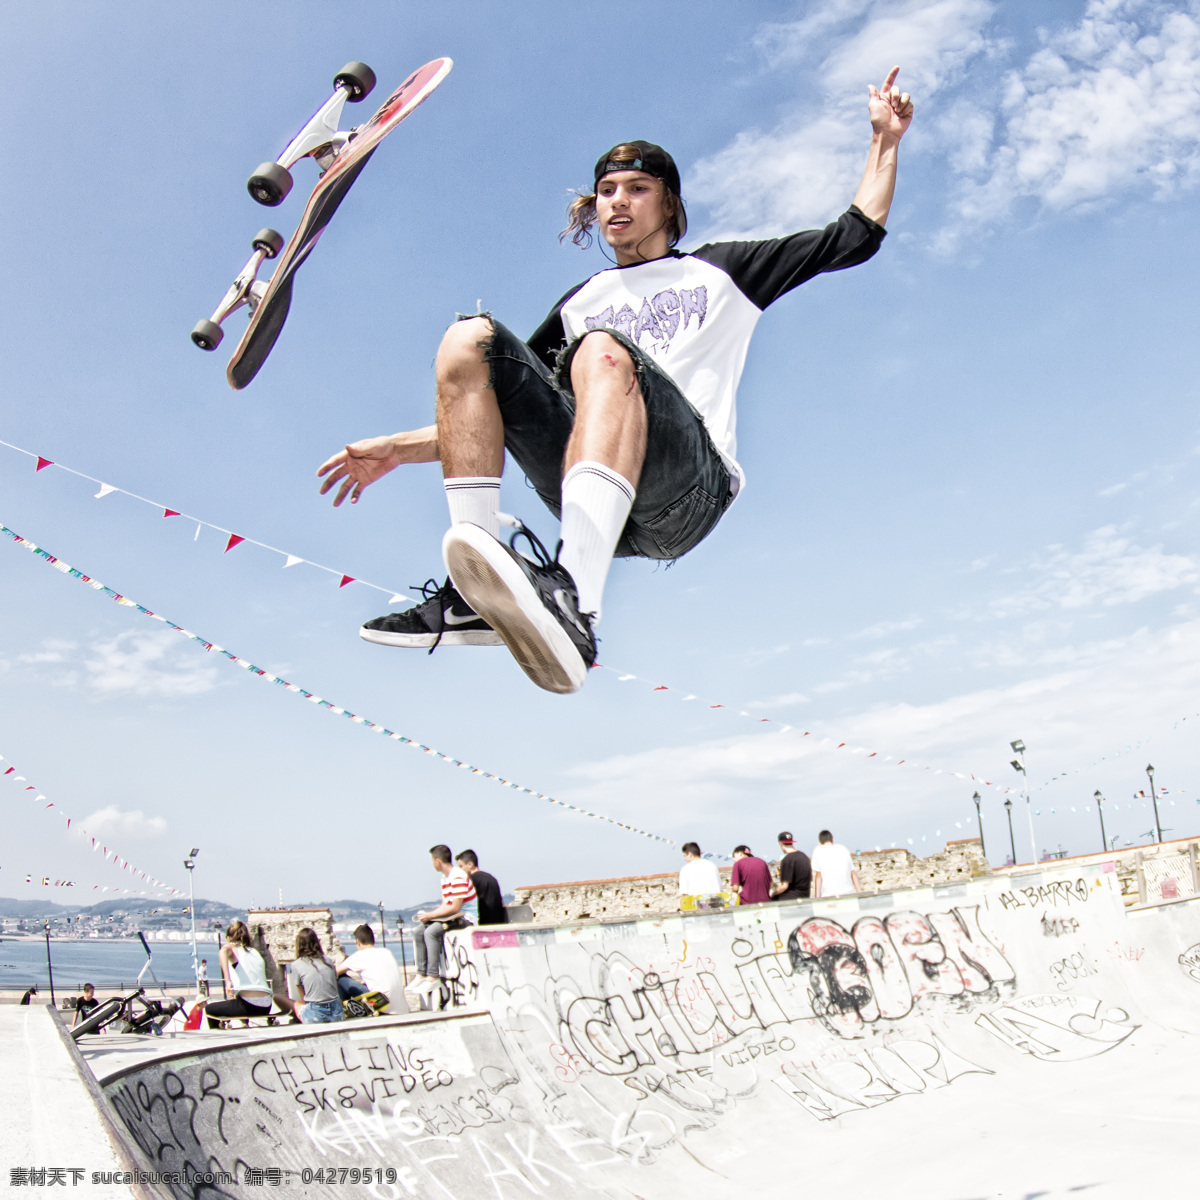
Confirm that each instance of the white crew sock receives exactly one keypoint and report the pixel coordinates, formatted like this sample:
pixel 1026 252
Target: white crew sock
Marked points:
pixel 474 500
pixel 595 506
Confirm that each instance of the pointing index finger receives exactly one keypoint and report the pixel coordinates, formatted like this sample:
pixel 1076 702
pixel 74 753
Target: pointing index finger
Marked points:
pixel 891 78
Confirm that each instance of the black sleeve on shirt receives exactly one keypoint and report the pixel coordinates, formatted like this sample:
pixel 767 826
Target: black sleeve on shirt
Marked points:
pixel 764 271
pixel 548 338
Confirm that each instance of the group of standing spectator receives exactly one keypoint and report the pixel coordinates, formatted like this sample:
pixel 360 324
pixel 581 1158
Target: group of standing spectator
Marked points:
pixel 829 871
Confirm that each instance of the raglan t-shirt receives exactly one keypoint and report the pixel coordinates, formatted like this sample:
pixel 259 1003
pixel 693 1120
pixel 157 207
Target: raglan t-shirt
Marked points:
pixel 694 313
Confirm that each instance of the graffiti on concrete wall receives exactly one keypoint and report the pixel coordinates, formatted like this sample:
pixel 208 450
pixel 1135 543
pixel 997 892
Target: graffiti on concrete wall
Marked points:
pixel 881 968
pixel 1057 1028
pixel 1189 962
pixel 869 1078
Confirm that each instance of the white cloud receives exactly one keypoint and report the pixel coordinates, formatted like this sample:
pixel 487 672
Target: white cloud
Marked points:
pixel 787 700
pixel 806 169
pixel 886 628
pixel 1110 104
pixel 148 664
pixel 154 664
pixel 1110 570
pixel 1106 106
pixel 1128 688
pixel 56 651
pixel 113 822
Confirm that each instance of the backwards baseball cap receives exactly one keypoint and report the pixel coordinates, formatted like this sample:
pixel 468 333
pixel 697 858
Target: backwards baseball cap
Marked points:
pixel 652 159
pixel 786 839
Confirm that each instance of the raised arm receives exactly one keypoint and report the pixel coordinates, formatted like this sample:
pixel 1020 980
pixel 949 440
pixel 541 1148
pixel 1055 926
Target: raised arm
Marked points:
pixel 891 114
pixel 362 463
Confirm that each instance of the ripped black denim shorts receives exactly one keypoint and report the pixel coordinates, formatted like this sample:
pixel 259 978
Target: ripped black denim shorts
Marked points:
pixel 684 488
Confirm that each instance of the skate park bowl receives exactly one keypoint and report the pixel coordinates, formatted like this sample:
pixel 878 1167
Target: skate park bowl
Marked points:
pixel 1017 1035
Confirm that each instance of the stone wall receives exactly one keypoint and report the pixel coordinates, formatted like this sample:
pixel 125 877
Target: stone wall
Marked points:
pixel 647 895
pixel 273 931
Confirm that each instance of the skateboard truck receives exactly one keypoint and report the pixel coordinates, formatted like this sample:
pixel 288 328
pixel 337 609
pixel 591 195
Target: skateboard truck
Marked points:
pixel 247 288
pixel 320 139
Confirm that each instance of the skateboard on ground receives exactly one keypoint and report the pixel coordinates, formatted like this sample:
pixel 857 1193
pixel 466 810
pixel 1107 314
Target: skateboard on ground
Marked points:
pixel 341 155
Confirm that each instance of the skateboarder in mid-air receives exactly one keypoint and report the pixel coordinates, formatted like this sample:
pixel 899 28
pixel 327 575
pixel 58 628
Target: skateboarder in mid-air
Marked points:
pixel 620 408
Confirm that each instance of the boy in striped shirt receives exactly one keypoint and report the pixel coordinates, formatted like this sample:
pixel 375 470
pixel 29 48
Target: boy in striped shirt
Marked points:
pixel 430 931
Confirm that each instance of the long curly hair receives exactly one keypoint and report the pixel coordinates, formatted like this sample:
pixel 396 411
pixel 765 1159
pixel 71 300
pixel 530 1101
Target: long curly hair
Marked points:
pixel 581 212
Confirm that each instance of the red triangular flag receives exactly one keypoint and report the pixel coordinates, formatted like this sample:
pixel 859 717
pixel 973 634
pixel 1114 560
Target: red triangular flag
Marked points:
pixel 234 540
pixel 345 580
pixel 42 463
pixel 169 512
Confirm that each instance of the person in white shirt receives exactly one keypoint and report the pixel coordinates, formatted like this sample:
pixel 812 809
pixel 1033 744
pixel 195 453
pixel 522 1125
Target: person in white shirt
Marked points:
pixel 620 408
pixel 833 872
pixel 699 876
pixel 375 965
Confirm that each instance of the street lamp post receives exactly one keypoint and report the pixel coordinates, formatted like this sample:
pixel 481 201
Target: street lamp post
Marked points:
pixel 1018 764
pixel 1012 844
pixel 1100 809
pixel 382 926
pixel 979 820
pixel 190 864
pixel 1154 801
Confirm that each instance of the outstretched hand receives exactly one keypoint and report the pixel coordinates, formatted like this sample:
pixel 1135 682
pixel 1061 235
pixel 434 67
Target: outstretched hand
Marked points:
pixel 891 109
pixel 359 464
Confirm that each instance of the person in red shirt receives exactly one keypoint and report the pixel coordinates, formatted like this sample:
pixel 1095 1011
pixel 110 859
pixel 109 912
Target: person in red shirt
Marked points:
pixel 751 878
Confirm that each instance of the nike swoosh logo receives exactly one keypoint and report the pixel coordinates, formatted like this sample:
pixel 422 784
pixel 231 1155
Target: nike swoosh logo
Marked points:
pixel 450 619
pixel 564 606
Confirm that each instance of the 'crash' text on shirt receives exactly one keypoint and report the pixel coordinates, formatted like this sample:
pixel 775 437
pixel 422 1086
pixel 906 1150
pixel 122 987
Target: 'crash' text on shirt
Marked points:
pixel 661 316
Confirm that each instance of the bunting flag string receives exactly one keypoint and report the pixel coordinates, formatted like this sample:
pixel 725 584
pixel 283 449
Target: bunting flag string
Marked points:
pixel 329 706
pixel 8 772
pixel 232 541
pixel 831 742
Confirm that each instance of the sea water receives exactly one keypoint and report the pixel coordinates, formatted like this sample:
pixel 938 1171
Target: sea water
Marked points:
pixel 109 963
pixel 105 963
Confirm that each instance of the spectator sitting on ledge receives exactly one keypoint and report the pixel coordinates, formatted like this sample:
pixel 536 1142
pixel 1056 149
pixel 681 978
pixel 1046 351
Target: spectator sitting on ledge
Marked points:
pixel 698 876
pixel 751 878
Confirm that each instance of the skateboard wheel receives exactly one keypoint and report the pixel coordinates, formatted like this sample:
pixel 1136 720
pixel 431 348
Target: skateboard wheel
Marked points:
pixel 357 78
pixel 270 184
pixel 208 334
pixel 268 241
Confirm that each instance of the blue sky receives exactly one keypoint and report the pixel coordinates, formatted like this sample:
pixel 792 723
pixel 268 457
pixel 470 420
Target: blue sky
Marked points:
pixel 973 464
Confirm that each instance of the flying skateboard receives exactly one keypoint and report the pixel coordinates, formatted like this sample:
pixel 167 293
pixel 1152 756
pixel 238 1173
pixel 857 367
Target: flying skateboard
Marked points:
pixel 341 155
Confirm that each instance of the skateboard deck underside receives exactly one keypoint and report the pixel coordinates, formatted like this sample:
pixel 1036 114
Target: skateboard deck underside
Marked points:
pixel 268 318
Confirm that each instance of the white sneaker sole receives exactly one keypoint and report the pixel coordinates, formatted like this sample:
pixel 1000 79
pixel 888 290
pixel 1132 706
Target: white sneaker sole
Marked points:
pixel 497 589
pixel 423 641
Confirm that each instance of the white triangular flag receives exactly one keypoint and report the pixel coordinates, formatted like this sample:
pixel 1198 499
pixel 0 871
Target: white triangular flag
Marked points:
pixel 398 599
pixel 105 488
pixel 292 560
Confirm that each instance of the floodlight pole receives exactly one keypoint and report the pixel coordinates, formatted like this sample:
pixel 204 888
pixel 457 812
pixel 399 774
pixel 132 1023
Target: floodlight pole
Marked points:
pixel 382 926
pixel 1154 801
pixel 1018 764
pixel 1012 845
pixel 190 864
pixel 49 965
pixel 1100 809
pixel 979 820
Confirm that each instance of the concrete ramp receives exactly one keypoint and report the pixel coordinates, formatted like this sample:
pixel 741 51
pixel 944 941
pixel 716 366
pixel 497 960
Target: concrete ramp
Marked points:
pixel 1014 1036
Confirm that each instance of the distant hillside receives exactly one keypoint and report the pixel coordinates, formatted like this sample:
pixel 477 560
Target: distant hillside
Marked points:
pixel 207 911
pixel 149 912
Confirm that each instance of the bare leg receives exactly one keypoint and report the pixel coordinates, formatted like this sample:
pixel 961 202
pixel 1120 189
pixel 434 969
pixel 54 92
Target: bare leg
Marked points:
pixel 610 414
pixel 469 425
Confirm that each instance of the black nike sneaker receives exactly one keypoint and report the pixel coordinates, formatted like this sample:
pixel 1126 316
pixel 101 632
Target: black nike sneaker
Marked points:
pixel 443 619
pixel 533 606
